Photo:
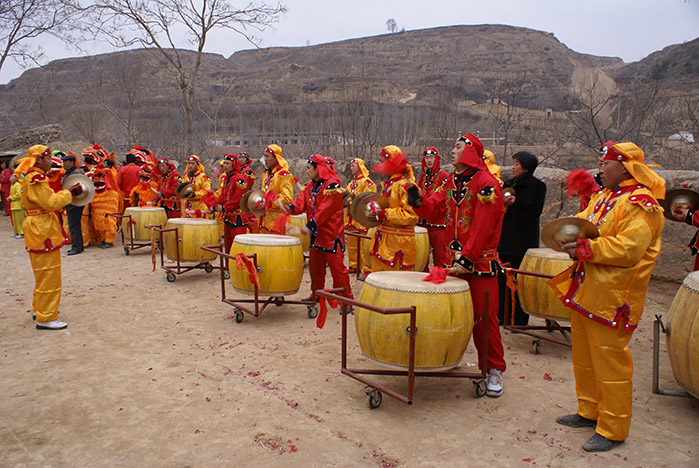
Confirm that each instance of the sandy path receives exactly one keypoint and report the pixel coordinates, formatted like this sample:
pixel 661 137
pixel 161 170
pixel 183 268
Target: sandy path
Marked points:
pixel 156 374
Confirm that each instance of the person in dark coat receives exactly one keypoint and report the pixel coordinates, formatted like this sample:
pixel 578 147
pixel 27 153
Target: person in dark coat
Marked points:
pixel 74 213
pixel 520 226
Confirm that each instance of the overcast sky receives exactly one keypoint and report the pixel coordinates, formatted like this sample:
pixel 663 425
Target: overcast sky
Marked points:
pixel 630 29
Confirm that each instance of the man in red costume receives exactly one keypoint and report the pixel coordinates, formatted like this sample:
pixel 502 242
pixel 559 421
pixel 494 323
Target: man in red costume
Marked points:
pixel 321 200
pixel 127 175
pixel 472 202
pixel 233 187
pixel 431 179
pixel 245 169
pixel 167 179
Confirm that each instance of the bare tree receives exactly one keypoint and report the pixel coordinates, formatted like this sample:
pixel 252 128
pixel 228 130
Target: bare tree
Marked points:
pixel 391 25
pixel 89 122
pixel 156 24
pixel 23 20
pixel 506 110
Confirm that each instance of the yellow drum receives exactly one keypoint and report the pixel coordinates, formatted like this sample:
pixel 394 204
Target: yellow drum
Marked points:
pixel 683 334
pixel 299 221
pixel 535 296
pixel 422 254
pixel 192 234
pixel 140 218
pixel 280 259
pixel 444 320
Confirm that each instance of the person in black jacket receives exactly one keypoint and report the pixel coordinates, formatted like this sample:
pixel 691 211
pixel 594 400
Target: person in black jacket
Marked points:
pixel 73 212
pixel 520 227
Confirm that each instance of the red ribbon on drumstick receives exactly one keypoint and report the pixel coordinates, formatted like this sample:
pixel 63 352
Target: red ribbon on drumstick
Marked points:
pixel 244 263
pixel 320 321
pixel 436 275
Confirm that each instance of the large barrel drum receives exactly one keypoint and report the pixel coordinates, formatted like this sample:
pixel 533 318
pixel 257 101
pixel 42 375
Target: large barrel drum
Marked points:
pixel 192 234
pixel 535 296
pixel 444 318
pixel 683 334
pixel 280 262
pixel 298 221
pixel 140 218
pixel 422 253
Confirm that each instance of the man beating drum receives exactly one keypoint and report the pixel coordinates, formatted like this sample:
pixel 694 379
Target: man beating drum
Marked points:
pixel 472 202
pixel 606 286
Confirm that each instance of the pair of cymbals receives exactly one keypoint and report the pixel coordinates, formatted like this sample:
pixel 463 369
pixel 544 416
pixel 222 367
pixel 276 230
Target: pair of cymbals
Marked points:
pixel 85 182
pixel 679 199
pixel 253 203
pixel 364 205
pixel 565 230
pixel 184 189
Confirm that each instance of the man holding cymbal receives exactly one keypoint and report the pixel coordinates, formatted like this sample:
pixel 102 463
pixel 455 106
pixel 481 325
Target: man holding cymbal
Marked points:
pixel 606 288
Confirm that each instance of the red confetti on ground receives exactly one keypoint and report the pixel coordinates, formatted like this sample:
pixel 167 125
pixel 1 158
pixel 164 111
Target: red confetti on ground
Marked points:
pixel 521 377
pixel 527 459
pixel 547 376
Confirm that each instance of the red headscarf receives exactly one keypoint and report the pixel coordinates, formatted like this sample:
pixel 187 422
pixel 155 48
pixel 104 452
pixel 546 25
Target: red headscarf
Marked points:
pixel 435 165
pixel 326 166
pixel 394 161
pixel 473 152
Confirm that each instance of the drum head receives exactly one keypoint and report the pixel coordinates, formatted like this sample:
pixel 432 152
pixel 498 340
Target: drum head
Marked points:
pixel 267 239
pixel 412 282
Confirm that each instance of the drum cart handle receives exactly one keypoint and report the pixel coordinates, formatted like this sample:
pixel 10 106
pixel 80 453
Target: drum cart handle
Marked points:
pixel 354 373
pixel 162 250
pixel 657 326
pixel 359 237
pixel 129 223
pixel 218 250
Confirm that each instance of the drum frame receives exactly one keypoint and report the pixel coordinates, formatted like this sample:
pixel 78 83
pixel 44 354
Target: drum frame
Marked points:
pixel 551 325
pixel 359 236
pixel 657 326
pixel 128 247
pixel 373 390
pixel 239 309
pixel 172 270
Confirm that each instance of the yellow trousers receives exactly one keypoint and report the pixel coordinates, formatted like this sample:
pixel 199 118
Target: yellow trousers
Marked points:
pixel 352 251
pixel 47 284
pixel 17 219
pixel 603 375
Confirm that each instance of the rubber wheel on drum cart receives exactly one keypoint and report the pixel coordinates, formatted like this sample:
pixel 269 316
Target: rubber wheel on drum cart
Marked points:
pixel 278 301
pixel 126 251
pixel 226 274
pixel 170 277
pixel 208 267
pixel 536 346
pixel 312 312
pixel 239 316
pixel 478 388
pixel 375 399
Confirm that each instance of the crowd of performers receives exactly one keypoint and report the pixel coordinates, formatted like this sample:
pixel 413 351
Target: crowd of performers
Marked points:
pixel 463 213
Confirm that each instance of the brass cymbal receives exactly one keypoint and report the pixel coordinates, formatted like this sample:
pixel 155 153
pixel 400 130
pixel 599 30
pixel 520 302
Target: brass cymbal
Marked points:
pixel 244 203
pixel 183 189
pixel 361 207
pixel 256 202
pixel 508 192
pixel 566 230
pixel 88 186
pixel 679 198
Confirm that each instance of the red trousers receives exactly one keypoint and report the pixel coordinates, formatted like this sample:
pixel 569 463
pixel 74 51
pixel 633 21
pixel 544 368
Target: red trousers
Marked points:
pixel 438 247
pixel 229 234
pixel 319 261
pixel 478 284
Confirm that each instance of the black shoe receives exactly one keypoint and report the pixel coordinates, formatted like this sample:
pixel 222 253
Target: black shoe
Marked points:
pixel 106 245
pixel 308 299
pixel 73 252
pixel 598 443
pixel 575 420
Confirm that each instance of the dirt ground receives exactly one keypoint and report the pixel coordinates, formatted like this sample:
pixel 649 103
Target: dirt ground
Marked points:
pixel 157 374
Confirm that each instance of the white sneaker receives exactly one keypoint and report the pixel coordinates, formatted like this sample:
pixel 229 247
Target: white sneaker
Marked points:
pixel 52 325
pixel 493 387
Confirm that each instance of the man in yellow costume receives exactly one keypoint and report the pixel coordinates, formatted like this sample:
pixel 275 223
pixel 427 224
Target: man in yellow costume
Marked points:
pixel 606 288
pixel 202 183
pixel 43 234
pixel 360 183
pixel 494 169
pixel 393 246
pixel 278 187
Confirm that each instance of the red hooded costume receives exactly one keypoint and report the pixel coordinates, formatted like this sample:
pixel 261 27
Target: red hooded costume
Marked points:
pixel 431 179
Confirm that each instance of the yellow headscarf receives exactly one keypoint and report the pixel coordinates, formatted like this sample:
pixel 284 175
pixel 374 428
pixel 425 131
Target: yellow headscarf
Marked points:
pixel 195 158
pixel 276 150
pixel 27 163
pixel 631 156
pixel 362 167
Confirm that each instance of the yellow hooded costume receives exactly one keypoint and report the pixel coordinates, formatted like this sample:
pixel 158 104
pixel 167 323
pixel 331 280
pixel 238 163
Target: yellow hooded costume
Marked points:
pixel 280 181
pixel 359 184
pixel 43 233
pixel 606 288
